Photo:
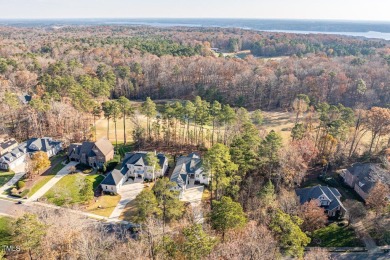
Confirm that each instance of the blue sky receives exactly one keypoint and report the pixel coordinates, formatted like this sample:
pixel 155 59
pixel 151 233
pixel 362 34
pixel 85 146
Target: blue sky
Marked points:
pixel 297 9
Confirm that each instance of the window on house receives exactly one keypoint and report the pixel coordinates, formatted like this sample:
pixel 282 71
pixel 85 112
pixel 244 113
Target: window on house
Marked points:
pixel 106 187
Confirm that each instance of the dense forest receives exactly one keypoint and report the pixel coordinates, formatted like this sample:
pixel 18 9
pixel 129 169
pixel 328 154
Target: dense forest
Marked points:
pixel 190 92
pixel 82 63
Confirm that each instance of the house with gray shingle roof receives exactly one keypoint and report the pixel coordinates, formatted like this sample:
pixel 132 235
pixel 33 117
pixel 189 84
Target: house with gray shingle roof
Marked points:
pixel 187 168
pixel 135 165
pixel 94 154
pixel 17 155
pixel 327 198
pixel 7 146
pixel 114 181
pixel 362 177
pixel 138 166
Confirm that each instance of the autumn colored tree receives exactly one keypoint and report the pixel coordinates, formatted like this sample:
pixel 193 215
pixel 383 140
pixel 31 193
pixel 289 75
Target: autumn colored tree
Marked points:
pixel 300 105
pixel 377 199
pixel 378 122
pixel 40 161
pixel 313 216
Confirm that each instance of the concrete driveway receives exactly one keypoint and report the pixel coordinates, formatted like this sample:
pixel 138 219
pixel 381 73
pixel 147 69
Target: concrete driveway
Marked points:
pixel 194 196
pixel 62 173
pixel 128 192
pixel 19 173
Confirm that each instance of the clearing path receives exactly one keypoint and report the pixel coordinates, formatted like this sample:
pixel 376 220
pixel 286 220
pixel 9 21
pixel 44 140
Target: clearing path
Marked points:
pixel 63 172
pixel 194 196
pixel 128 192
pixel 19 173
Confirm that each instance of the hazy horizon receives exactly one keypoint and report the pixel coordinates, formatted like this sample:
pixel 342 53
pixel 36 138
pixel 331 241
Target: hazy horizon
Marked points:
pixel 331 10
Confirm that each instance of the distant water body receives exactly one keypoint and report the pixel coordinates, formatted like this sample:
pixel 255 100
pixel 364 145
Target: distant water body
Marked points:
pixel 375 30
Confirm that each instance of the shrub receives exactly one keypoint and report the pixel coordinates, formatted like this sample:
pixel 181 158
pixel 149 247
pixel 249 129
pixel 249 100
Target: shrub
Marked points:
pixel 24 193
pixel 21 185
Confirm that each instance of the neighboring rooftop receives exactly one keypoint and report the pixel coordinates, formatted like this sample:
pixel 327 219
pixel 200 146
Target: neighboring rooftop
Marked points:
pixel 368 174
pixel 6 144
pixel 331 194
pixel 185 165
pixel 113 178
pixel 139 159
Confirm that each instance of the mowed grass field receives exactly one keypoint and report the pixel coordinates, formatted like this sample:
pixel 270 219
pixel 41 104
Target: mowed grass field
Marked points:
pixel 67 190
pixel 5 177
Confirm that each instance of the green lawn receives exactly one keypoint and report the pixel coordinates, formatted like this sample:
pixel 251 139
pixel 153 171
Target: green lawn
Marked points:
pixel 39 184
pixel 5 231
pixel 45 179
pixel 335 236
pixel 67 190
pixel 107 204
pixel 5 177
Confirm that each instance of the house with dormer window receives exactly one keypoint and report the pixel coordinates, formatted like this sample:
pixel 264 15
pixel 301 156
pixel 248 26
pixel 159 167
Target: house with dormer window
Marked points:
pixel 94 154
pixel 326 197
pixel 138 165
pixel 17 155
pixel 189 169
pixel 362 177
pixel 135 165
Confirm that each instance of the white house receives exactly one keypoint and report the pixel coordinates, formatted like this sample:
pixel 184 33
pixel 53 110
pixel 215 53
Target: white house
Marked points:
pixel 17 156
pixel 138 165
pixel 135 165
pixel 189 169
pixel 114 181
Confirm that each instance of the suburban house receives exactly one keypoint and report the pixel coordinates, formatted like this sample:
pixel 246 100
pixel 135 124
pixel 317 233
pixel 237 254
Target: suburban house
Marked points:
pixel 327 198
pixel 135 165
pixel 114 180
pixel 46 144
pixel 7 146
pixel 362 177
pixel 94 154
pixel 17 155
pixel 188 170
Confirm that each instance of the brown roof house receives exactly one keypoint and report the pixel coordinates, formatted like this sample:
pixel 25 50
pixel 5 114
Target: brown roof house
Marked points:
pixel 94 154
pixel 362 177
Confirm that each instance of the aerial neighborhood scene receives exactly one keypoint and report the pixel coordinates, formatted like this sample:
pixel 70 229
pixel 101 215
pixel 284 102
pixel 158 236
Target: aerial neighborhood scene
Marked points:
pixel 222 130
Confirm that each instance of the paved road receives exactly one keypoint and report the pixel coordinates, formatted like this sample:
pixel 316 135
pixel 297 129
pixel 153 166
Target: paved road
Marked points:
pixel 128 192
pixel 194 196
pixel 10 208
pixel 19 173
pixel 62 173
pixel 361 256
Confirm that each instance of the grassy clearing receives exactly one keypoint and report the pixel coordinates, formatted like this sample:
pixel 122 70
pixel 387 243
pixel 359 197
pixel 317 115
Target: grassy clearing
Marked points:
pixel 5 177
pixel 5 231
pixel 335 236
pixel 107 204
pixel 39 184
pixel 67 190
